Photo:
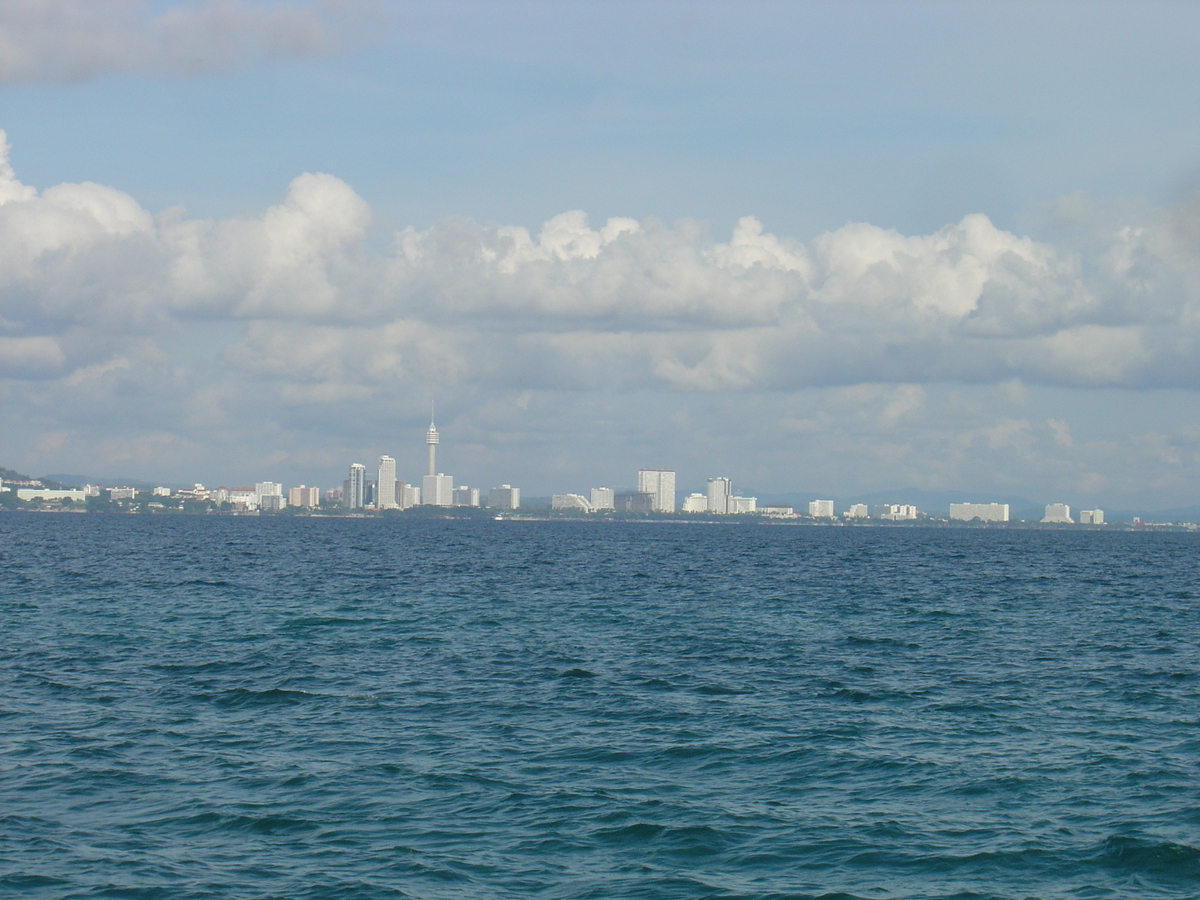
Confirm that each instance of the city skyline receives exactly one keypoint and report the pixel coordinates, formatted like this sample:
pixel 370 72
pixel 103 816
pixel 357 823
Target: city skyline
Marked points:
pixel 770 240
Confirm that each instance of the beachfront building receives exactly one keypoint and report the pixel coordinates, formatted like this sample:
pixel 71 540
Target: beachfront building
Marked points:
pixel 385 484
pixel 820 509
pixel 660 483
pixel 984 512
pixel 602 498
pixel 504 497
pixel 356 485
pixel 1058 513
pixel 1091 517
pixel 694 503
pixel 719 491
pixel 742 505
pixel 576 502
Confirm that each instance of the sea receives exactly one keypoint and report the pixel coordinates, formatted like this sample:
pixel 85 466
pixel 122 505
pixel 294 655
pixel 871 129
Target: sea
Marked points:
pixel 218 707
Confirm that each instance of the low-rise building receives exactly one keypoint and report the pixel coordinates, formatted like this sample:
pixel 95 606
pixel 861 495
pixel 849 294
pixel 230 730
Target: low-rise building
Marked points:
pixel 777 511
pixel 895 512
pixel 122 493
pixel 74 495
pixel 694 503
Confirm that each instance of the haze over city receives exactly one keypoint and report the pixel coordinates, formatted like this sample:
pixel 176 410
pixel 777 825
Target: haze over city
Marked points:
pixel 825 247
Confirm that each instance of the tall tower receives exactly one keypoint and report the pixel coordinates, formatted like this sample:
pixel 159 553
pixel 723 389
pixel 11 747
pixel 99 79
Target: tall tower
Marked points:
pixel 431 438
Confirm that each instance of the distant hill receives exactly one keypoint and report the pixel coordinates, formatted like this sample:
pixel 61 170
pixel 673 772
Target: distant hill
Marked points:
pixel 80 480
pixel 13 475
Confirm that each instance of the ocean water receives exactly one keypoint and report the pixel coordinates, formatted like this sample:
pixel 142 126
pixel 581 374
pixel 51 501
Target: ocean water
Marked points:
pixel 324 708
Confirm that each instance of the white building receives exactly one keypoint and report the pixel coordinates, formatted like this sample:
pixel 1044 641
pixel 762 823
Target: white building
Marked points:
pixel 778 512
pixel 356 486
pixel 243 497
pixel 719 491
pixel 438 490
pixel 895 512
pixel 385 484
pixel 984 512
pixel 75 496
pixel 570 501
pixel 1091 517
pixel 407 495
pixel 858 511
pixel 738 505
pixel 1059 513
pixel 304 496
pixel 695 503
pixel 466 496
pixel 602 498
pixel 119 493
pixel 161 492
pixel 504 497
pixel 661 484
pixel 267 489
pixel 820 509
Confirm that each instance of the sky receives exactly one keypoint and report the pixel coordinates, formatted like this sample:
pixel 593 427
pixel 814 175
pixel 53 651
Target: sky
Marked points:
pixel 835 248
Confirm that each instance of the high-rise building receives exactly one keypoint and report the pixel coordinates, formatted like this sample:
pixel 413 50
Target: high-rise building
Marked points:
pixel 437 490
pixel 385 490
pixel 304 496
pixel 466 496
pixel 356 486
pixel 1091 517
pixel 820 509
pixel 719 492
pixel 504 497
pixel 407 495
pixel 601 498
pixel 694 503
pixel 267 489
pixel 1059 513
pixel 661 484
pixel 858 511
pixel 895 512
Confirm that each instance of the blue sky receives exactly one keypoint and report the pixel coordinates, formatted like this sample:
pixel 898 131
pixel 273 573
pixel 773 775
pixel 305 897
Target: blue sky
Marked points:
pixel 972 264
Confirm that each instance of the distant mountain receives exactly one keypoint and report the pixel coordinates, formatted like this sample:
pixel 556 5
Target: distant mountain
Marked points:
pixel 13 475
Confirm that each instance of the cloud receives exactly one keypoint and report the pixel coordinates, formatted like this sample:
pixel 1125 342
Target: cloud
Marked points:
pixel 299 296
pixel 73 40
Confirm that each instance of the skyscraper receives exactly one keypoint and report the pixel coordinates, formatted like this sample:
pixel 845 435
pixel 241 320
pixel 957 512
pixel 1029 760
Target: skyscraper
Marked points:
pixel 385 485
pixel 661 484
pixel 355 487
